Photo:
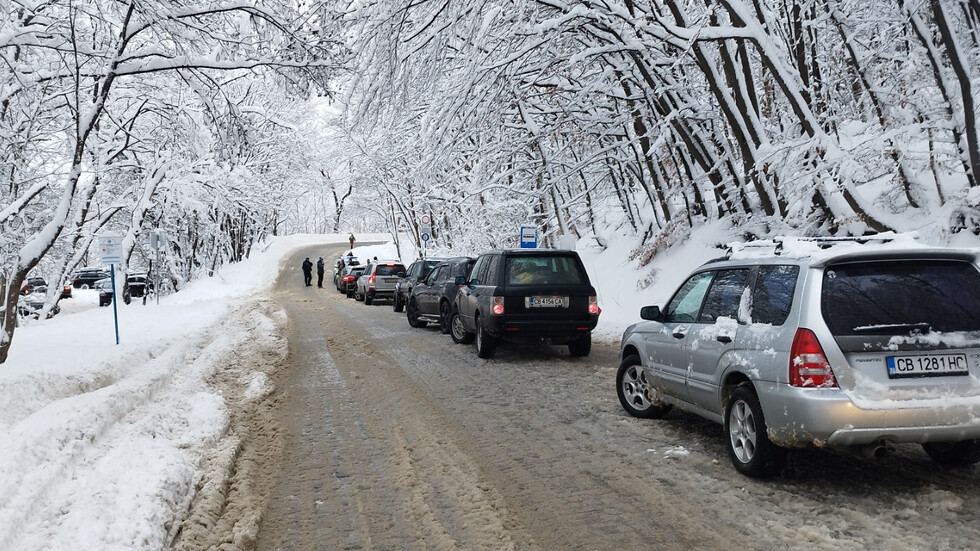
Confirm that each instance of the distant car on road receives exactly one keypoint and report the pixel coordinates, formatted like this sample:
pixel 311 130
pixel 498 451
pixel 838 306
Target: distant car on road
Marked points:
pixel 30 306
pixel 432 298
pixel 34 285
pixel 378 280
pixel 415 272
pixel 526 295
pixel 139 284
pixel 106 292
pixel 348 281
pixel 85 278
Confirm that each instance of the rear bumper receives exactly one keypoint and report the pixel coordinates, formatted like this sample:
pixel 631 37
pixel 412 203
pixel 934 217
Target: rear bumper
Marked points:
pixel 797 416
pixel 559 331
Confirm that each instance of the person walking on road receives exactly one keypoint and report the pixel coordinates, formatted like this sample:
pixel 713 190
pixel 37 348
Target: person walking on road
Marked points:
pixel 351 239
pixel 319 273
pixel 307 271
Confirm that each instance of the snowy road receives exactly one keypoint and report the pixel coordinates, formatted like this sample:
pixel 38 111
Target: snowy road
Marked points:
pixel 388 437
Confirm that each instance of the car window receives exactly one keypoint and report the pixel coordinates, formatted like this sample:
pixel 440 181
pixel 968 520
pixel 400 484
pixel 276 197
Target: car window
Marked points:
pixel 480 269
pixel 493 270
pixel 413 270
pixel 435 275
pixel 772 296
pixel 543 270
pixel 385 270
pixel 726 296
pixel 901 296
pixel 462 268
pixel 686 304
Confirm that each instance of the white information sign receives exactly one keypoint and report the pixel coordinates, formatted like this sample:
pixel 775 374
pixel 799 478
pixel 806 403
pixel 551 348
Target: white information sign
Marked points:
pixel 110 249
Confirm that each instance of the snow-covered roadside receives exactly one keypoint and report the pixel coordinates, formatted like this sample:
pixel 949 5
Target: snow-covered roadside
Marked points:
pixel 104 444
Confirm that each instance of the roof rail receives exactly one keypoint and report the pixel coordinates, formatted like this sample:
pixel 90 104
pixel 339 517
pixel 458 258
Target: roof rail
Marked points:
pixel 825 242
pixel 777 245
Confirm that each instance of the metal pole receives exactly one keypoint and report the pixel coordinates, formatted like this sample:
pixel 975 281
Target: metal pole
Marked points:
pixel 115 311
pixel 156 285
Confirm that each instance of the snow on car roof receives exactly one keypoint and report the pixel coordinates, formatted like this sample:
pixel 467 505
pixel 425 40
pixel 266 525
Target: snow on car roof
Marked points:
pixel 824 248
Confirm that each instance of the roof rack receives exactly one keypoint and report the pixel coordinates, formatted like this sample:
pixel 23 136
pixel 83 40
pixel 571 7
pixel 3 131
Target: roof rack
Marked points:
pixel 777 245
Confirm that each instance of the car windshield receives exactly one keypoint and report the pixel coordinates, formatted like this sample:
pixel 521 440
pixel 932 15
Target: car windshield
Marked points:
pixel 543 270
pixel 901 297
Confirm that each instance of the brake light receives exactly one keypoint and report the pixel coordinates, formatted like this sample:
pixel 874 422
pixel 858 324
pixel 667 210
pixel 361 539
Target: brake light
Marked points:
pixel 348 278
pixel 371 280
pixel 594 307
pixel 498 306
pixel 808 365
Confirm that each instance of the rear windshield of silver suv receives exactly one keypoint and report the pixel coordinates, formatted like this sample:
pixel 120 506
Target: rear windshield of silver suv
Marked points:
pixel 901 297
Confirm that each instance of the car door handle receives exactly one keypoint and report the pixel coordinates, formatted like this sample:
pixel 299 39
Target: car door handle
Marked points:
pixel 678 335
pixel 724 338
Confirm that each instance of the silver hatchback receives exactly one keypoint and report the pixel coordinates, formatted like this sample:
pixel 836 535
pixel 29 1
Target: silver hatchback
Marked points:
pixel 857 343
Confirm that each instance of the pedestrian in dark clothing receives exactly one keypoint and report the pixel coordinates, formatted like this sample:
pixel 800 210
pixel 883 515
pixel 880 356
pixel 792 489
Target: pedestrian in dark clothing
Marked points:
pixel 319 273
pixel 308 271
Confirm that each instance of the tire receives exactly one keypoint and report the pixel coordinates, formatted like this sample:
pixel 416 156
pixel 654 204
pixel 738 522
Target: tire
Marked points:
pixel 412 313
pixel 445 318
pixel 581 346
pixel 486 345
pixel 749 447
pixel 636 395
pixel 458 330
pixel 83 286
pixel 368 298
pixel 397 304
pixel 954 454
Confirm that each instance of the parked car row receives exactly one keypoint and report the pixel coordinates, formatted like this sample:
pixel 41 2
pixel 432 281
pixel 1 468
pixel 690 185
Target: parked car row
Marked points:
pixel 858 344
pixel 519 295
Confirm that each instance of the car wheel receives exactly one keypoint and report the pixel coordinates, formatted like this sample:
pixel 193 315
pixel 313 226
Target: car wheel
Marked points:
pixel 397 304
pixel 486 345
pixel 83 286
pixel 581 346
pixel 368 298
pixel 636 395
pixel 445 318
pixel 749 447
pixel 954 454
pixel 413 314
pixel 458 330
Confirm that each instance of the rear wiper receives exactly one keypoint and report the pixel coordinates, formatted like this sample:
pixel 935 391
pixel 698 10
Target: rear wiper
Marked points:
pixel 886 328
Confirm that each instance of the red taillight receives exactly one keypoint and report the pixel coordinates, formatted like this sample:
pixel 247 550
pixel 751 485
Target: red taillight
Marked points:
pixel 498 306
pixel 594 307
pixel 808 365
pixel 371 280
pixel 348 279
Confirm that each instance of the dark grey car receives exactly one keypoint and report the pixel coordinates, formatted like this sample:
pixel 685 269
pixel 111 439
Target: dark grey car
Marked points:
pixel 432 298
pixel 417 271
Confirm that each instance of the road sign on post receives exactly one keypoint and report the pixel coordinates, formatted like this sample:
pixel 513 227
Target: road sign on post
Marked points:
pixel 529 237
pixel 110 249
pixel 110 252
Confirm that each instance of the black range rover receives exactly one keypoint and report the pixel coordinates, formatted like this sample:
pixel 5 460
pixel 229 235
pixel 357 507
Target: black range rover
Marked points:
pixel 526 295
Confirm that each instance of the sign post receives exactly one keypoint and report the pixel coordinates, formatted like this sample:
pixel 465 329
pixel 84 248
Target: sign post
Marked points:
pixel 110 252
pixel 529 237
pixel 425 231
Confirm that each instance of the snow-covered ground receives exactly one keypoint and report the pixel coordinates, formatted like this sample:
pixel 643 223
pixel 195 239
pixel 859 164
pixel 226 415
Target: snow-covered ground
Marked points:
pixel 103 443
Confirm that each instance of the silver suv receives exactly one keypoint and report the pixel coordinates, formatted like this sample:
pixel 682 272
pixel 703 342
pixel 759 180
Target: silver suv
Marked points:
pixel 828 342
pixel 378 280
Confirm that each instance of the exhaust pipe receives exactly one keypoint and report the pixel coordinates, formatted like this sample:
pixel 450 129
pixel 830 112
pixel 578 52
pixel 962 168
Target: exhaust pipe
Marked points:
pixel 875 450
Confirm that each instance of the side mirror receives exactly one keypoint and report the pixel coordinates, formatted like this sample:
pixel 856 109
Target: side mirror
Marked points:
pixel 651 313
